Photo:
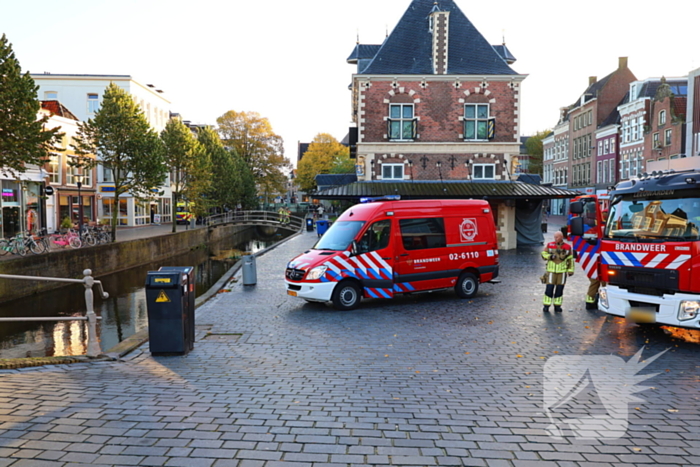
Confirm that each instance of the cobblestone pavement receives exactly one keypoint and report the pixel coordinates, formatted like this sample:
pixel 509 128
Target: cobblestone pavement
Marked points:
pixel 419 381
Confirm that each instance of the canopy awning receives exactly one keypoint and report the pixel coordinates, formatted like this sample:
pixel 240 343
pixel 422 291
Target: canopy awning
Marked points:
pixel 452 189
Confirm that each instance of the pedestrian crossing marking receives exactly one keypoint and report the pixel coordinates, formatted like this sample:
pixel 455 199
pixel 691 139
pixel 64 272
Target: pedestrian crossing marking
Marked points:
pixel 162 297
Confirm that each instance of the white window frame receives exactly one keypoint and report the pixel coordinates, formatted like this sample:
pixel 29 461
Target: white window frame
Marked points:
pixel 54 176
pixel 611 175
pixel 477 120
pixel 668 135
pixel 662 117
pixel 402 120
pixel 483 169
pixel 50 95
pixel 93 102
pixel 392 171
pixel 106 175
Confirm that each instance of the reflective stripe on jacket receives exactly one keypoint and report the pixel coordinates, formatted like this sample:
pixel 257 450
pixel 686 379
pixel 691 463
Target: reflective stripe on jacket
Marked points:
pixel 560 258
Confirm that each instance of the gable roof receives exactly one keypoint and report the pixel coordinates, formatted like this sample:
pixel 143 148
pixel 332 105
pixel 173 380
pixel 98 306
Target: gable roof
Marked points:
pixel 56 108
pixel 408 49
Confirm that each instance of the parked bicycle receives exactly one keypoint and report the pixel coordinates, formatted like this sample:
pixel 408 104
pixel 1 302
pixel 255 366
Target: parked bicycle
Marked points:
pixel 62 240
pixel 20 244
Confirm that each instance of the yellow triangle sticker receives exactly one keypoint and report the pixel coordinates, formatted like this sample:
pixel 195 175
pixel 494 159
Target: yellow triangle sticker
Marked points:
pixel 162 297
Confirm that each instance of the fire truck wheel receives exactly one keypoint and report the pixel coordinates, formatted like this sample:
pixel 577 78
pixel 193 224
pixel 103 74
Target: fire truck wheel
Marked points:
pixel 467 285
pixel 346 296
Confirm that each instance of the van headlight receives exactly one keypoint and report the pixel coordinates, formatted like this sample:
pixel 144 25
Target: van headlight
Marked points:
pixel 689 309
pixel 603 297
pixel 316 273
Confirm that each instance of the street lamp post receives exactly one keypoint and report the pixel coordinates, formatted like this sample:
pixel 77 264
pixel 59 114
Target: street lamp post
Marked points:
pixel 80 204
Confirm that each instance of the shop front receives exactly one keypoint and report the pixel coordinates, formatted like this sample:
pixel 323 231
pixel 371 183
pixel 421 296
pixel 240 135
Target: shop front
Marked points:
pixel 133 211
pixel 22 207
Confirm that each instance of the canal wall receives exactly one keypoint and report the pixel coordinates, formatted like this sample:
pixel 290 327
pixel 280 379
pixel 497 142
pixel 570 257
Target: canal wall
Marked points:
pixel 110 258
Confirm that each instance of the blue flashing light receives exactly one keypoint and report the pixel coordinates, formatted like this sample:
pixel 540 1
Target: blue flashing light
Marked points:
pixel 380 198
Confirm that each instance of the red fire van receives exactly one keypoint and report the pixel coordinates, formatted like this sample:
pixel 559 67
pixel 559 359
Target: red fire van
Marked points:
pixel 381 249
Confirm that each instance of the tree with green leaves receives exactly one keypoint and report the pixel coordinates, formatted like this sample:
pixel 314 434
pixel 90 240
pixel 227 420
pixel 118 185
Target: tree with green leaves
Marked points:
pixel 23 136
pixel 190 166
pixel 125 145
pixel 225 188
pixel 324 155
pixel 250 136
pixel 535 151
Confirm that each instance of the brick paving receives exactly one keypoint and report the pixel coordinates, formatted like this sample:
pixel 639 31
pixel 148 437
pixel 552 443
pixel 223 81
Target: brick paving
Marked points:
pixel 425 380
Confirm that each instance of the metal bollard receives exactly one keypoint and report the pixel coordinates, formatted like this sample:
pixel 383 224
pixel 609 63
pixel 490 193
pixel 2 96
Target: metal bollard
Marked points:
pixel 250 275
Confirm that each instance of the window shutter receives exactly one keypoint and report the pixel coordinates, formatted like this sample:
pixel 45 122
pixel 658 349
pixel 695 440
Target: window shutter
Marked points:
pixel 491 128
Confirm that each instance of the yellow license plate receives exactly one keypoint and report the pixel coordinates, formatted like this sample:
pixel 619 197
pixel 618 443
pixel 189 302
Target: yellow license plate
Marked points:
pixel 641 315
pixel 292 293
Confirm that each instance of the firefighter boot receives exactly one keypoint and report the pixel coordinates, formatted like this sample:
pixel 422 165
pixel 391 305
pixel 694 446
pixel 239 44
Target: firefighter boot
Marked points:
pixel 591 303
pixel 558 299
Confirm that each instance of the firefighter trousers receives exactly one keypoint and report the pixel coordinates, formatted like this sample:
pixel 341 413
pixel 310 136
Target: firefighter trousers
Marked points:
pixel 554 295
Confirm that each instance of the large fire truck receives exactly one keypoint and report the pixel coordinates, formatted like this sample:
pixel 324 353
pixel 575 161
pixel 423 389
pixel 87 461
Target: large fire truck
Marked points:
pixel 647 252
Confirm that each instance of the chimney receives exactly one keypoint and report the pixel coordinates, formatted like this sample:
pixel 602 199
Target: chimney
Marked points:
pixel 622 63
pixel 439 27
pixel 592 80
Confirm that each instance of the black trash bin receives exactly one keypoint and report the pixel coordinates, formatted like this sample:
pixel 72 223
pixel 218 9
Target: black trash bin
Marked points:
pixel 191 284
pixel 309 224
pixel 168 301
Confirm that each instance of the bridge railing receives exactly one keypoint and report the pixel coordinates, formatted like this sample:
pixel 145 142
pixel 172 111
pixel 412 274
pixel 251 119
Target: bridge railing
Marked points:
pixel 93 343
pixel 273 219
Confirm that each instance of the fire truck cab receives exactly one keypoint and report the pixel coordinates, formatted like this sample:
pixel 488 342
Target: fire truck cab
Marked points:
pixel 647 253
pixel 382 249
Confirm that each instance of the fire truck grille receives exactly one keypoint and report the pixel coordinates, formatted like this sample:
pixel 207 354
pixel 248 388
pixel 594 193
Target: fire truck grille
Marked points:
pixel 294 274
pixel 645 280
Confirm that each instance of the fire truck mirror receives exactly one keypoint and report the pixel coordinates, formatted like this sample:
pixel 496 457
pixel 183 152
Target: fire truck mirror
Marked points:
pixel 576 225
pixel 576 208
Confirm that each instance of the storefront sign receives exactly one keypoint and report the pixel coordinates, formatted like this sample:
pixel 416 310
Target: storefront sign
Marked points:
pixel 48 190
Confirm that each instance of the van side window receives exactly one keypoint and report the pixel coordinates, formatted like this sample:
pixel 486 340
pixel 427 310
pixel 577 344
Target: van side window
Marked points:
pixel 376 237
pixel 420 234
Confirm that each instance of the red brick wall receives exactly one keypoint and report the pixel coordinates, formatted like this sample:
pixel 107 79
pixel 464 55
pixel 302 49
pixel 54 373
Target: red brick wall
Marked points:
pixel 439 108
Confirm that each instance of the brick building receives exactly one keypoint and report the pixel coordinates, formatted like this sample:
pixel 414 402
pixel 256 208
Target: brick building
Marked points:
pixel 435 101
pixel 586 115
pixel 641 141
pixel 437 116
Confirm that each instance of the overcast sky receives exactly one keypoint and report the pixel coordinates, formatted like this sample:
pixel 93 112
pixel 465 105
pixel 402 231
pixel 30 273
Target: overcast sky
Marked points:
pixel 285 59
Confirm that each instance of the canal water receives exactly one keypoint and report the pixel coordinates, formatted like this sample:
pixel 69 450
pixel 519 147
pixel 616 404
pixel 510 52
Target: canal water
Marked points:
pixel 123 314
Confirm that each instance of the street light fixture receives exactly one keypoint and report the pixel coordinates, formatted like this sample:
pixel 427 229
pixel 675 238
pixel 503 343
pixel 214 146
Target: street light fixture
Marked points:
pixel 79 179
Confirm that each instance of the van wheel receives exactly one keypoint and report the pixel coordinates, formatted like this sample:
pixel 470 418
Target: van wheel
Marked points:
pixel 467 285
pixel 346 296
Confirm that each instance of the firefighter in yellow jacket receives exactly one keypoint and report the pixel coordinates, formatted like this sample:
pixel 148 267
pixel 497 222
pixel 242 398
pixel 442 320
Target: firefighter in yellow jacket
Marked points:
pixel 560 264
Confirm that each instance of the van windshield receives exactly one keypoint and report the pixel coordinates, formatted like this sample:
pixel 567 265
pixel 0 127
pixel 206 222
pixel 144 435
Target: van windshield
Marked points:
pixel 339 236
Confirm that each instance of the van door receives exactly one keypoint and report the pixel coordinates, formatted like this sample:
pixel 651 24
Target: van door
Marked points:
pixel 421 256
pixel 374 260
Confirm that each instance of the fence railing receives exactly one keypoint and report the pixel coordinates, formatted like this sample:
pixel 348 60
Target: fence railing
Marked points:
pixel 93 343
pixel 274 219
